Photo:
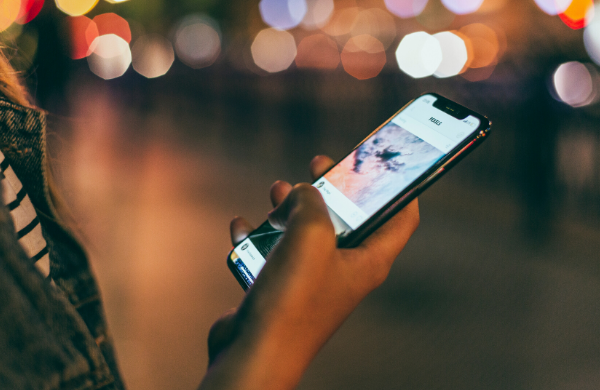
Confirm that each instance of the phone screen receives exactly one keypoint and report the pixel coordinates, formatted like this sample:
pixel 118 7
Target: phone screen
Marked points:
pixel 372 175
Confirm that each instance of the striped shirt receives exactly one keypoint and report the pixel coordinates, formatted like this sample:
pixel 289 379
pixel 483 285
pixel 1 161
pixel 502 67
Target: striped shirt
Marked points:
pixel 25 219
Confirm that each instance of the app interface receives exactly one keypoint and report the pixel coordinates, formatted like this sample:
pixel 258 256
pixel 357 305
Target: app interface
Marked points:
pixel 374 173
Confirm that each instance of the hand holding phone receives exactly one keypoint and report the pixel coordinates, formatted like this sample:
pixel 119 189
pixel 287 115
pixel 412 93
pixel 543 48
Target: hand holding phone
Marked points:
pixel 304 293
pixel 383 173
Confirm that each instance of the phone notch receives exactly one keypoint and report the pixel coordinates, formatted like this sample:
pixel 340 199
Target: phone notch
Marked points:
pixel 455 110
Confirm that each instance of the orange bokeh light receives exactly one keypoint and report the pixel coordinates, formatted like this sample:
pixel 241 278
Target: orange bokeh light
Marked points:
pixel 9 12
pixel 29 10
pixel 363 57
pixel 111 23
pixel 317 51
pixel 575 15
pixel 342 21
pixel 483 45
pixel 83 32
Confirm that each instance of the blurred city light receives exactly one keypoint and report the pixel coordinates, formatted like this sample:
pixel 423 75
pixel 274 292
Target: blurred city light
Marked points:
pixel 152 55
pixel 454 54
pixel 591 38
pixel 574 84
pixel 406 8
pixel 198 41
pixel 435 16
pixel 116 1
pixel 273 50
pixel 376 23
pixel 419 54
pixel 318 13
pixel 111 23
pixel 9 12
pixel 578 13
pixel 83 32
pixel 363 57
pixel 553 7
pixel 282 14
pixel 317 51
pixel 29 10
pixel 492 5
pixel 484 44
pixel 342 21
pixel 110 57
pixel 76 7
pixel 462 7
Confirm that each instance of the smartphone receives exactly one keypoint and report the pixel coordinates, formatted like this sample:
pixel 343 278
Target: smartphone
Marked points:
pixel 381 175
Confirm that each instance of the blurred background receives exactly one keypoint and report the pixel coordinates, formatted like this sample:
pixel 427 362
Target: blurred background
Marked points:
pixel 168 118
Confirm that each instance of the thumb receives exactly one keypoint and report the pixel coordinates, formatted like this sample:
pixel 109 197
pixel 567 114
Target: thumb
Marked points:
pixel 304 202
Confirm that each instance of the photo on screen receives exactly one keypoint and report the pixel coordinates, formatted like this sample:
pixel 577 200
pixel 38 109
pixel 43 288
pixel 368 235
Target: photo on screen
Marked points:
pixel 382 166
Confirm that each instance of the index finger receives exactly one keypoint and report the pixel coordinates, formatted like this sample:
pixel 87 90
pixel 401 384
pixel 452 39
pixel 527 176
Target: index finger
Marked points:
pixel 319 165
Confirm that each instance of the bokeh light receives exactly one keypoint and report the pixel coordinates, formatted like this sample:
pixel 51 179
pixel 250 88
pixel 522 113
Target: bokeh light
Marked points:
pixel 342 21
pixel 574 84
pixel 376 23
pixel 273 50
pixel 553 7
pixel 83 32
pixel 116 1
pixel 462 7
pixel 454 54
pixel 318 13
pixel 152 55
pixel 484 44
pixel 110 58
pixel 419 54
pixel 591 38
pixel 435 16
pixel 9 12
pixel 198 41
pixel 317 51
pixel 111 23
pixel 282 14
pixel 363 57
pixel 491 5
pixel 578 13
pixel 406 8
pixel 76 7
pixel 29 10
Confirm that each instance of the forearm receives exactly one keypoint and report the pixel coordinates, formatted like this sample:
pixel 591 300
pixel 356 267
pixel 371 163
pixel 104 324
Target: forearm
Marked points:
pixel 268 361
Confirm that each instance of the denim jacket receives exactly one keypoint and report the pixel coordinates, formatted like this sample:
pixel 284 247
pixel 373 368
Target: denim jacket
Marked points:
pixel 51 337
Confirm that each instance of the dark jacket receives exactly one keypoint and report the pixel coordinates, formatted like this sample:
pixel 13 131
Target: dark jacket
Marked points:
pixel 50 337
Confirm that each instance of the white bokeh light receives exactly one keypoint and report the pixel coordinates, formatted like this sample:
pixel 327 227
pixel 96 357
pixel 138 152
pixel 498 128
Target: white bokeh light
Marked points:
pixel 591 37
pixel 419 54
pixel 574 84
pixel 454 54
pixel 110 57
pixel 406 8
pixel 152 55
pixel 273 50
pixel 553 7
pixel 282 14
pixel 318 14
pixel 462 7
pixel 197 41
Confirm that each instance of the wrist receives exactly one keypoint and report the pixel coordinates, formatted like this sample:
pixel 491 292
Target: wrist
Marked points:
pixel 260 357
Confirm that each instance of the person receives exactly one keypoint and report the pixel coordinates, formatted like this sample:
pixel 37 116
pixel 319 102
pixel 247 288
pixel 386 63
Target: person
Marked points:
pixel 52 326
